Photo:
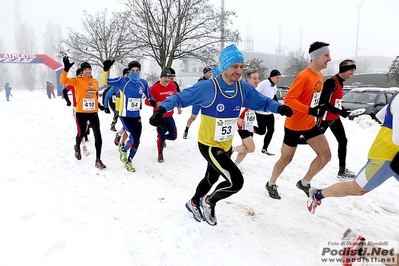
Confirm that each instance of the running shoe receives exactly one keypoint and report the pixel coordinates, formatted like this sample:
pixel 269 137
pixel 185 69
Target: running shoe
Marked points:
pixel 312 201
pixel 117 139
pixel 264 151
pixel 346 174
pixel 122 154
pixel 99 164
pixel 185 135
pixel 208 211
pixel 160 158
pixel 195 210
pixel 77 153
pixel 130 167
pixel 303 188
pixel 273 193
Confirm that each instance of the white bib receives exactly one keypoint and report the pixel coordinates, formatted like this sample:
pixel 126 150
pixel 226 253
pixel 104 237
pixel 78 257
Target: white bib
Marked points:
pixel 89 104
pixel 225 128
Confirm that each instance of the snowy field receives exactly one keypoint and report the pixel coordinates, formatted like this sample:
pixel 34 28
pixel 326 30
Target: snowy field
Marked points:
pixel 56 210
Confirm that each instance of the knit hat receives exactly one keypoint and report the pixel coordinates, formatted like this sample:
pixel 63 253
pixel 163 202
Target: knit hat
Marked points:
pixel 85 65
pixel 216 71
pixel 134 64
pixel 206 69
pixel 274 73
pixel 125 71
pixel 78 71
pixel 229 56
pixel 165 72
pixel 172 71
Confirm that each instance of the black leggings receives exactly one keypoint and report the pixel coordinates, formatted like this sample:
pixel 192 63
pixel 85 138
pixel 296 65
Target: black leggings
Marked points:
pixel 339 132
pixel 219 164
pixel 265 125
pixel 81 121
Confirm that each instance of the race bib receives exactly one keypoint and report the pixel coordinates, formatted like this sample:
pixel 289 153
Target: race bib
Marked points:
pixel 338 103
pixel 113 98
pixel 315 99
pixel 89 104
pixel 249 118
pixel 133 104
pixel 225 128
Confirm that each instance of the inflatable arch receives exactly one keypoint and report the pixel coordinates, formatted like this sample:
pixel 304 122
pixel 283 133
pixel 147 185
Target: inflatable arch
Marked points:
pixel 35 59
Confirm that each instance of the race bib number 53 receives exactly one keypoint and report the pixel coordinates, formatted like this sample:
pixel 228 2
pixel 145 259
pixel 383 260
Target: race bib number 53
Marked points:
pixel 225 128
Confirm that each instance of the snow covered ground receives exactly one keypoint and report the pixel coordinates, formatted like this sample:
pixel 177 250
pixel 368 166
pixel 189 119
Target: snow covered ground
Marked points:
pixel 56 210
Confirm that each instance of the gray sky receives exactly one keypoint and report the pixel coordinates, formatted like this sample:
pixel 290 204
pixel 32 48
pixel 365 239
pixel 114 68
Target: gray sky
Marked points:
pixel 332 21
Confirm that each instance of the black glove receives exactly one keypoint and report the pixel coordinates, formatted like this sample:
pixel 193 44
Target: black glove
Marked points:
pixel 285 110
pixel 317 111
pixel 395 164
pixel 107 111
pixel 69 103
pixel 107 64
pixel 67 64
pixel 153 103
pixel 101 107
pixel 344 112
pixel 157 117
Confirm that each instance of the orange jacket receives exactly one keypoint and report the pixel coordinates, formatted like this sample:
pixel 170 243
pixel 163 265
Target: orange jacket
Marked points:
pixel 86 92
pixel 305 89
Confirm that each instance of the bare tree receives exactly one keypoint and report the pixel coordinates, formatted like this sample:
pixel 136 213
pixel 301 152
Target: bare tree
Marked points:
pixel 393 72
pixel 103 38
pixel 257 64
pixel 26 44
pixel 296 62
pixel 363 66
pixel 52 47
pixel 180 29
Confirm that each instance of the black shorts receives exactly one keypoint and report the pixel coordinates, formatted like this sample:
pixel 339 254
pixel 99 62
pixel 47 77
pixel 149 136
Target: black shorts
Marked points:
pixel 292 137
pixel 245 134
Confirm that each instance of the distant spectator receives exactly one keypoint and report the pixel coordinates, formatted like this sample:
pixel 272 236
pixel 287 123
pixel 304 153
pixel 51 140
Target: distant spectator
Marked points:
pixel 48 90
pixel 7 89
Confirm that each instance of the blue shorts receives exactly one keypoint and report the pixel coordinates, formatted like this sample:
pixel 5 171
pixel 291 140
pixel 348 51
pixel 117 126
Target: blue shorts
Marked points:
pixel 195 109
pixel 374 173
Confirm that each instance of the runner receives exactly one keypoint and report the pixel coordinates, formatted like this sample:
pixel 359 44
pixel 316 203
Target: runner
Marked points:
pixel 131 90
pixel 86 95
pixel 66 97
pixel 245 123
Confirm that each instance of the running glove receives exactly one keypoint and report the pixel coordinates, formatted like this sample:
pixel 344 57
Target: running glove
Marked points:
pixel 101 107
pixel 317 111
pixel 107 111
pixel 153 103
pixel 107 64
pixel 344 112
pixel 157 117
pixel 285 110
pixel 67 64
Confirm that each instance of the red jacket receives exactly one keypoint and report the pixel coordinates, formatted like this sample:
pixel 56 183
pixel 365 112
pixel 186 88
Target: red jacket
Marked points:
pixel 160 92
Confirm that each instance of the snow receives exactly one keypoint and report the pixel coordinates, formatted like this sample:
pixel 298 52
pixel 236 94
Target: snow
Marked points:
pixel 56 210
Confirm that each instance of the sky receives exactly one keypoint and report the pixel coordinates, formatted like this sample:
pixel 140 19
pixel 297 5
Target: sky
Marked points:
pixel 56 210
pixel 289 23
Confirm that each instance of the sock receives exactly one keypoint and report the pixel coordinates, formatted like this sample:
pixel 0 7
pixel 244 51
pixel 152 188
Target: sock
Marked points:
pixel 236 163
pixel 304 182
pixel 186 130
pixel 318 195
pixel 270 183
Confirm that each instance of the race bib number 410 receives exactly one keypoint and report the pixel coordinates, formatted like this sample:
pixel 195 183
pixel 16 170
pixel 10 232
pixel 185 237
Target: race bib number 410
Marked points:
pixel 89 104
pixel 225 128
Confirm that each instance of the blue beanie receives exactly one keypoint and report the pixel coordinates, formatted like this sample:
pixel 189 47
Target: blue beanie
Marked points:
pixel 229 56
pixel 216 71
